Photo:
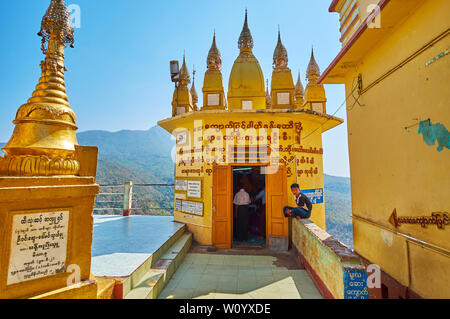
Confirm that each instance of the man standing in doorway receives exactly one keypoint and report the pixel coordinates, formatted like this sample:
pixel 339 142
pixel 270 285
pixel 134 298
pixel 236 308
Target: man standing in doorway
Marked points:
pixel 304 206
pixel 241 202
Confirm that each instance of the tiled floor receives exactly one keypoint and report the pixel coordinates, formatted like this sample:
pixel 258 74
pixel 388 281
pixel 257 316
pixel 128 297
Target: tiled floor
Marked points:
pixel 214 276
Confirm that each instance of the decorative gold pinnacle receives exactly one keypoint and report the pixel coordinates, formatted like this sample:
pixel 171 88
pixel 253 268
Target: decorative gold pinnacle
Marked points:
pixel 299 90
pixel 185 77
pixel 214 60
pixel 280 56
pixel 194 92
pixel 268 98
pixel 313 67
pixel 245 42
pixel 44 139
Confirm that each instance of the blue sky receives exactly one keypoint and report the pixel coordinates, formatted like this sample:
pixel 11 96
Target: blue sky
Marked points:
pixel 118 73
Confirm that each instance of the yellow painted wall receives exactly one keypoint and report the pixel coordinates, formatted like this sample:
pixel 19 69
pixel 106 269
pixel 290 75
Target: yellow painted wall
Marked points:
pixel 392 167
pixel 309 176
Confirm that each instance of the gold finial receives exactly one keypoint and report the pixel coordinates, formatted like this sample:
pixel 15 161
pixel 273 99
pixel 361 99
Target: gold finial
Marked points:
pixel 268 98
pixel 280 56
pixel 43 142
pixel 185 77
pixel 214 61
pixel 193 90
pixel 299 86
pixel 245 42
pixel 57 23
pixel 313 67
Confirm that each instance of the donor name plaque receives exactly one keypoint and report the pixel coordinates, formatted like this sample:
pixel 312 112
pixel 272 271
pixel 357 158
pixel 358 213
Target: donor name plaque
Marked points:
pixel 38 246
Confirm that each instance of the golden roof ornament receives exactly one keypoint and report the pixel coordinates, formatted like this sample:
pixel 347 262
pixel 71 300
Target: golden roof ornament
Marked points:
pixel 313 67
pixel 185 77
pixel 57 22
pixel 43 142
pixel 194 91
pixel 268 98
pixel 245 42
pixel 214 61
pixel 299 90
pixel 280 55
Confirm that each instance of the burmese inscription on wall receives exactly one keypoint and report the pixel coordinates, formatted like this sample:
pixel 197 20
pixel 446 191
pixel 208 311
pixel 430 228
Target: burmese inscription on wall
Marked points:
pixel 38 245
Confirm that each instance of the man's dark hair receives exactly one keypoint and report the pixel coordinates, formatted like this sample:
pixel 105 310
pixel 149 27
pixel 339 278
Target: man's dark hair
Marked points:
pixel 240 186
pixel 295 186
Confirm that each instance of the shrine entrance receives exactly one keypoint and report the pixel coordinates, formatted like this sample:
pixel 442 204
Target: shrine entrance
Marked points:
pixel 265 231
pixel 249 221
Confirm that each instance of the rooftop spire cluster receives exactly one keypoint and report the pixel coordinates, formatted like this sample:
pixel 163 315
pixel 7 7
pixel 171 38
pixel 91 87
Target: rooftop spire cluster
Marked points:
pixel 247 89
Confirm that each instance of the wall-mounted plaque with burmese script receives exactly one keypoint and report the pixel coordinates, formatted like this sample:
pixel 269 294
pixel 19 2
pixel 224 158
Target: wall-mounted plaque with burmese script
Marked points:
pixel 38 245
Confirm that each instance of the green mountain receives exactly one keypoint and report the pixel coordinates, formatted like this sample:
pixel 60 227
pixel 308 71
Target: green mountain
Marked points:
pixel 144 157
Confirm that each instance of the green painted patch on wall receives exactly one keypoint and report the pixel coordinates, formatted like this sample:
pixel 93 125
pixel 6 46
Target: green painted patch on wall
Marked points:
pixel 433 133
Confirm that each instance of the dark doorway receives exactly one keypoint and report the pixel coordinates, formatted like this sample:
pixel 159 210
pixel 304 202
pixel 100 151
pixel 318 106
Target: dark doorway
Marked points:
pixel 249 223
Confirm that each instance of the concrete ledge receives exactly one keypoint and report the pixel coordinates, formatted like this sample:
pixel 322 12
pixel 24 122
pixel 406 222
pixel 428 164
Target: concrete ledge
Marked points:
pixel 336 270
pixel 84 290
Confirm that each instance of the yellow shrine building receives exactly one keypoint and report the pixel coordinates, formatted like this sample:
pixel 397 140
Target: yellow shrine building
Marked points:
pixel 274 135
pixel 395 66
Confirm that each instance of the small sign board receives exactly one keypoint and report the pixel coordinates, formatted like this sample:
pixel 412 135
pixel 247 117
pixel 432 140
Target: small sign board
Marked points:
pixel 180 185
pixel 314 195
pixel 184 207
pixel 355 284
pixel 199 209
pixel 194 189
pixel 178 205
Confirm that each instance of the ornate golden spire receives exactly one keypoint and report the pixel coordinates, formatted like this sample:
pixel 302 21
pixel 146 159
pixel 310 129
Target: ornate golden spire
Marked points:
pixel 268 99
pixel 313 67
pixel 280 56
pixel 57 23
pixel 299 92
pixel 245 42
pixel 214 61
pixel 194 92
pixel 44 139
pixel 185 77
pixel 299 86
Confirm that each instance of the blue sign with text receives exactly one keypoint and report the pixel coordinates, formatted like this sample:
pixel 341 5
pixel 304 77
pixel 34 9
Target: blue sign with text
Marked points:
pixel 314 195
pixel 355 284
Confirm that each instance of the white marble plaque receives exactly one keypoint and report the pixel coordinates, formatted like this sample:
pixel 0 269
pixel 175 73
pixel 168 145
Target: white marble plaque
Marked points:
pixel 178 205
pixel 180 185
pixel 199 209
pixel 318 107
pixel 38 246
pixel 213 99
pixel 191 207
pixel 194 189
pixel 184 207
pixel 283 98
pixel 247 105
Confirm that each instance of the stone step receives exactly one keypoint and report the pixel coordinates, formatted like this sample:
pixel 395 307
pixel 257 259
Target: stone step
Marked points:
pixel 138 275
pixel 154 280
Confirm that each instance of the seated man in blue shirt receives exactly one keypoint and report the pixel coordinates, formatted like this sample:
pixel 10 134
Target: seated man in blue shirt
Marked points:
pixel 304 206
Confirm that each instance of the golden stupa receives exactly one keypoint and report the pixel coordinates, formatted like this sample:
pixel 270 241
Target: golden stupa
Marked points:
pixel 246 88
pixel 44 139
